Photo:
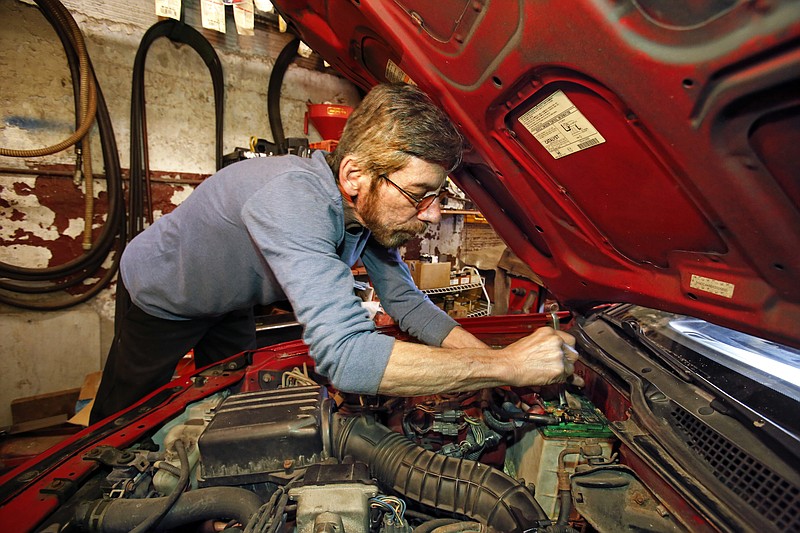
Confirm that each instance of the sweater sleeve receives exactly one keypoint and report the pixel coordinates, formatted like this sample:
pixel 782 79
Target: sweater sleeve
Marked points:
pixel 406 304
pixel 297 224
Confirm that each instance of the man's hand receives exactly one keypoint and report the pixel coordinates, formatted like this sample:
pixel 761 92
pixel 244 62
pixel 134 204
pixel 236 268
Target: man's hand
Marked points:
pixel 546 356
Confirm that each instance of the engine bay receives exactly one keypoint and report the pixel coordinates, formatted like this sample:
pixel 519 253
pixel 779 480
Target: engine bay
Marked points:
pixel 330 462
pixel 495 459
pixel 261 443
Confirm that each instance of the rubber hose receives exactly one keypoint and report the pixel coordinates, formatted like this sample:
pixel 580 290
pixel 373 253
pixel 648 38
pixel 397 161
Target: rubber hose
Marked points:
pixel 515 413
pixel 88 193
pixel 178 32
pixel 460 486
pixel 430 525
pixel 122 515
pixel 52 279
pixel 540 420
pixel 461 527
pixel 113 176
pixel 114 224
pixel 154 519
pixel 83 148
pixel 63 302
pixel 565 498
pixel 88 99
pixel 285 59
pixel 496 424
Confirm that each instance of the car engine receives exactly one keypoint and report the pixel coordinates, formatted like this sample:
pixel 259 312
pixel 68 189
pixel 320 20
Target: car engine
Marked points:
pixel 641 439
pixel 289 453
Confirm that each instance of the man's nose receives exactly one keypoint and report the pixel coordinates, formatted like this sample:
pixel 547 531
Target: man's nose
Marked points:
pixel 431 215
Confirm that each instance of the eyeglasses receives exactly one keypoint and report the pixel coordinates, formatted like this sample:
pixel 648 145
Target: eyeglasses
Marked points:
pixel 421 203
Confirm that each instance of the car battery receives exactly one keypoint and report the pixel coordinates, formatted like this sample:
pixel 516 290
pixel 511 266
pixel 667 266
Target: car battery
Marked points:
pixel 535 456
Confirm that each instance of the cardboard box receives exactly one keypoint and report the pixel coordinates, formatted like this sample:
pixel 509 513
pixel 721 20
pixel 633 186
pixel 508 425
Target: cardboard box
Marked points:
pixel 430 275
pixel 461 309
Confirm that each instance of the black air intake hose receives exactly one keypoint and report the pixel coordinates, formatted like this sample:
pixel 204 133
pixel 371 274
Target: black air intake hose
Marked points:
pixel 460 486
pixel 122 515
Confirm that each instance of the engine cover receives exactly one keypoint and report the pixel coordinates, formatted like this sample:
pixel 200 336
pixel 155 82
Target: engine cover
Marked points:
pixel 255 434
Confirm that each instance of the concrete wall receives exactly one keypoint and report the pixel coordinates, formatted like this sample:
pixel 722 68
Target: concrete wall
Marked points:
pixel 42 214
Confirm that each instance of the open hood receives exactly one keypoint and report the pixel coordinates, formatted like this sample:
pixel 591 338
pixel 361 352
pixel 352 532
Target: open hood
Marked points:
pixel 627 150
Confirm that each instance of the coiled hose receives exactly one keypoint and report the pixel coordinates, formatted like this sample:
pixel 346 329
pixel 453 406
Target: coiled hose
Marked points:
pixel 59 17
pixel 23 287
pixel 85 111
pixel 459 486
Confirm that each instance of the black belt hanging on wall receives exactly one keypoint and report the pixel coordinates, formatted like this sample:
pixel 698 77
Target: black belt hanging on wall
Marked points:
pixel 285 58
pixel 140 198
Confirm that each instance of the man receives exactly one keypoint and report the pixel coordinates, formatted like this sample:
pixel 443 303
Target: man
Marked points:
pixel 279 228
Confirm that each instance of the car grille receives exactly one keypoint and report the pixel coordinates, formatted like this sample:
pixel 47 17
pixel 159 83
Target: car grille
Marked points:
pixel 760 487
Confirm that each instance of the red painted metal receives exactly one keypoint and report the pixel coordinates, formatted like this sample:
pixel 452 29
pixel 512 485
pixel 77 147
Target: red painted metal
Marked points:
pixel 689 205
pixel 668 497
pixel 524 295
pixel 30 505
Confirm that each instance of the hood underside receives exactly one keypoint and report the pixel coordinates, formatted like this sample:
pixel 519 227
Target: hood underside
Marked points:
pixel 634 151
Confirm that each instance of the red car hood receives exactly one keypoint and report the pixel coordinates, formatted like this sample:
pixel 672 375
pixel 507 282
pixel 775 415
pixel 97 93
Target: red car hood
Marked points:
pixel 628 150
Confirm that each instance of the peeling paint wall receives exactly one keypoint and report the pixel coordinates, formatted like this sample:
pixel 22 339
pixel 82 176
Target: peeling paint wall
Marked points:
pixel 442 240
pixel 42 212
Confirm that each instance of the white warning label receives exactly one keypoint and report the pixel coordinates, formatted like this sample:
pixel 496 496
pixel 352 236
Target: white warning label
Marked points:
pixel 560 127
pixel 714 286
pixel 169 8
pixel 397 75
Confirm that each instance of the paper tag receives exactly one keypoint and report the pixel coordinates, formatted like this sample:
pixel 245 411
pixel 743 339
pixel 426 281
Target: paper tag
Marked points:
pixel 560 127
pixel 244 18
pixel 395 74
pixel 213 15
pixel 713 286
pixel 265 5
pixel 169 8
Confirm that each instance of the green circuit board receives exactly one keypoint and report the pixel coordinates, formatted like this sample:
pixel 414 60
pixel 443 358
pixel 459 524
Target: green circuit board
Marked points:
pixel 583 421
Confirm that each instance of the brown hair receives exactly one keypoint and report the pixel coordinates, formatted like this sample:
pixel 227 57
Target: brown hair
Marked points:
pixel 393 123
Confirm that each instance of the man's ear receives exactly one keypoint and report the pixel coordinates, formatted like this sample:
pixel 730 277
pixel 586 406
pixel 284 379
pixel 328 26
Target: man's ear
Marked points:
pixel 351 177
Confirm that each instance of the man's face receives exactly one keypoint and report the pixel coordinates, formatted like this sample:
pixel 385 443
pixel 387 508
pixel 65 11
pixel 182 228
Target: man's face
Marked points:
pixel 390 215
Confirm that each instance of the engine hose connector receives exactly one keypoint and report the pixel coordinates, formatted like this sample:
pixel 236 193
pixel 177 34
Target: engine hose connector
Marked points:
pixel 460 486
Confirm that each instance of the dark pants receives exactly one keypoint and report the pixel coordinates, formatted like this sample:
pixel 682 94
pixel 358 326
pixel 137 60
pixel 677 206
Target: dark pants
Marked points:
pixel 147 349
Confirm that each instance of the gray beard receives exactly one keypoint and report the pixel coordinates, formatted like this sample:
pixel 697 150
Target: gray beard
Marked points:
pixel 388 237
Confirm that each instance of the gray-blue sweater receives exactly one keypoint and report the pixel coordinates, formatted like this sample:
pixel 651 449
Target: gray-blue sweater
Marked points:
pixel 270 229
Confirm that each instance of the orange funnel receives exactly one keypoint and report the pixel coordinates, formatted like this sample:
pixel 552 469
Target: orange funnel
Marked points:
pixel 327 119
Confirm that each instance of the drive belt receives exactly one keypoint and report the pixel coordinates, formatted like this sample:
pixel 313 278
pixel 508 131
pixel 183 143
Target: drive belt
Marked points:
pixel 178 32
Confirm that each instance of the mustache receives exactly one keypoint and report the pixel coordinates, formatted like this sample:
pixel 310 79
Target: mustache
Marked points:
pixel 400 236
